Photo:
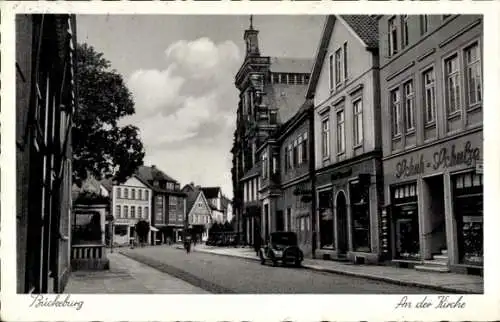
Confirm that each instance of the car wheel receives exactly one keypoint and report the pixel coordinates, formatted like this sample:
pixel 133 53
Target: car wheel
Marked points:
pixel 275 262
pixel 298 263
pixel 262 259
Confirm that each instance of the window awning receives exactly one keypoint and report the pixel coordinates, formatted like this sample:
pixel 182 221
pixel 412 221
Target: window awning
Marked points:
pixel 153 228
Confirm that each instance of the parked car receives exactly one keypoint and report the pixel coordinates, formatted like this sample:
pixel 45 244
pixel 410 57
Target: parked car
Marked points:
pixel 282 247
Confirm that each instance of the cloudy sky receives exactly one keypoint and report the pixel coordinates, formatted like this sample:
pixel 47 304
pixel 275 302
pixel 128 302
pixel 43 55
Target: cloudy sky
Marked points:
pixel 180 70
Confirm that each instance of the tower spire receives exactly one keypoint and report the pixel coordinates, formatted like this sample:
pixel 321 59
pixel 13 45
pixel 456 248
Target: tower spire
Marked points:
pixel 251 22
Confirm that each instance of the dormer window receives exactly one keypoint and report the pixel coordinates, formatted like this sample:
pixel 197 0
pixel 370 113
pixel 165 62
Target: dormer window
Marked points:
pixel 156 183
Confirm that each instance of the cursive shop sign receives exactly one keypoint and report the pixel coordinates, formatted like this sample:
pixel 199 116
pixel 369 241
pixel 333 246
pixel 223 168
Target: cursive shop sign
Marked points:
pixel 446 157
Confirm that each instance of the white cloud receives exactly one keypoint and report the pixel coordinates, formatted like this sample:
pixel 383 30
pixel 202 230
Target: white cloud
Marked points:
pixel 186 112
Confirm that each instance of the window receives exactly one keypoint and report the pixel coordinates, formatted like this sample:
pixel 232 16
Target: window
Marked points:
pixel 299 148
pixel 345 61
pixel 146 212
pixel 119 192
pixel 295 153
pixel 275 165
pixel 132 211
pixel 147 194
pixel 287 162
pixel 452 83
pixel 304 147
pixel 288 219
pixel 118 211
pixel 340 132
pixel 358 122
pixel 330 66
pixel 139 211
pixel 126 193
pixel 338 67
pixel 393 37
pixel 133 194
pixel 276 78
pixel 306 78
pixel 125 211
pixel 325 138
pixel 273 117
pixel 395 112
pixel 473 74
pixel 290 155
pixel 140 194
pixel 404 30
pixel 265 165
pixel 429 95
pixel 409 106
pixel 424 24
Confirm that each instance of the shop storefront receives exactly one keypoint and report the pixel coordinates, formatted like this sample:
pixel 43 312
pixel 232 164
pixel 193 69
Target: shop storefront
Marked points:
pixel 348 206
pixel 434 199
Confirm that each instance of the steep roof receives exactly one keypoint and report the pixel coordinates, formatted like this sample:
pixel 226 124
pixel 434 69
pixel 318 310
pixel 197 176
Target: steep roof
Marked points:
pixel 308 104
pixel 153 173
pixel 363 26
pixel 192 193
pixel 107 184
pixel 290 65
pixel 287 99
pixel 211 192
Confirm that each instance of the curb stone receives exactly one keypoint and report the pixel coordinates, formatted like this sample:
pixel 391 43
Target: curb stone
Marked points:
pixel 442 288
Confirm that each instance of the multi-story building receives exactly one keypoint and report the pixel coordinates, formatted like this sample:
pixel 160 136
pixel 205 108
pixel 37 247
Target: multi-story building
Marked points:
pixel 271 91
pixel 130 202
pixel 198 212
pixel 345 88
pixel 214 198
pixel 45 103
pixel 168 203
pixel 286 178
pixel 432 103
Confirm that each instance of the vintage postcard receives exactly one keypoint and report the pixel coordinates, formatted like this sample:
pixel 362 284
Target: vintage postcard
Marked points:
pixel 249 161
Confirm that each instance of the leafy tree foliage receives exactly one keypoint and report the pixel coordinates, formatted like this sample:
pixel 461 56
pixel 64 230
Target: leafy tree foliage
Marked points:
pixel 101 147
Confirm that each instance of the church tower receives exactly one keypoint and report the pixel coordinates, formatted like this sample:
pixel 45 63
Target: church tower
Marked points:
pixel 252 40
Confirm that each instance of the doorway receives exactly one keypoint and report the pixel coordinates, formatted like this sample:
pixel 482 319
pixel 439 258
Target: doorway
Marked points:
pixel 435 217
pixel 342 223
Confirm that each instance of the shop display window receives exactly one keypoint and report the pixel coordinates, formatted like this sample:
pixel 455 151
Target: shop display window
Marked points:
pixel 326 220
pixel 468 208
pixel 405 220
pixel 360 211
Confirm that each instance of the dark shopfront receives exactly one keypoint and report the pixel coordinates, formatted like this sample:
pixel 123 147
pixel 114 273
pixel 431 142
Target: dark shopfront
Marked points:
pixel 435 204
pixel 348 207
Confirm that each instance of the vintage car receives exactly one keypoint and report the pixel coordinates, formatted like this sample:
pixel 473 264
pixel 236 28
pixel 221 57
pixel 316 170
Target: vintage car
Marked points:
pixel 282 247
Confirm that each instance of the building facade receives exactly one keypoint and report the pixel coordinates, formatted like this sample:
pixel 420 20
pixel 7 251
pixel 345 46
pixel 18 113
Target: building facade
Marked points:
pixel 130 202
pixel 214 198
pixel 431 81
pixel 45 103
pixel 349 182
pixel 271 91
pixel 168 203
pixel 286 176
pixel 199 212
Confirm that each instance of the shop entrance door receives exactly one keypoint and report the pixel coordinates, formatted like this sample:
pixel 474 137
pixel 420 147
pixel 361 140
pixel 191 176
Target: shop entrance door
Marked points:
pixel 342 223
pixel 436 231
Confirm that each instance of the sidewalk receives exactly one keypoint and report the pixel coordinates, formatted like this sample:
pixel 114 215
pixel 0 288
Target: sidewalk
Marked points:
pixel 448 282
pixel 130 277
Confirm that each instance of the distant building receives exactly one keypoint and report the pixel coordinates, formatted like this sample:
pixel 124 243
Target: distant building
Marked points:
pixel 271 92
pixel 431 78
pixel 214 198
pixel 198 212
pixel 130 202
pixel 45 103
pixel 168 203
pixel 227 208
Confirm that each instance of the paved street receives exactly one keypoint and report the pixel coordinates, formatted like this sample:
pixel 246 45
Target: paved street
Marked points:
pixel 223 274
pixel 127 276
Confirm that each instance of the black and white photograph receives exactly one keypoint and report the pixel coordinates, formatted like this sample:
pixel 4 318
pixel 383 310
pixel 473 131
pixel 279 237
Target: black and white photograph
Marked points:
pixel 248 153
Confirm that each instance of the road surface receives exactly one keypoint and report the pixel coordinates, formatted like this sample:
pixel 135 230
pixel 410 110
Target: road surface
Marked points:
pixel 223 274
